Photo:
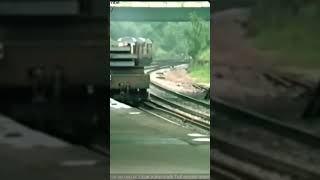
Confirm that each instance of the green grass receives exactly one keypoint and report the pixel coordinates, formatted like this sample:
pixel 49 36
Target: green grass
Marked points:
pixel 199 70
pixel 204 56
pixel 200 73
pixel 292 38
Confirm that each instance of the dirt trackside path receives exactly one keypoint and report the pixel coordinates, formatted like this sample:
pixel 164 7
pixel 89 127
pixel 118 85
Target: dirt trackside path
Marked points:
pixel 178 79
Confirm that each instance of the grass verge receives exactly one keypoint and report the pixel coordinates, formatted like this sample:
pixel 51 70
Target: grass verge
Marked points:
pixel 200 72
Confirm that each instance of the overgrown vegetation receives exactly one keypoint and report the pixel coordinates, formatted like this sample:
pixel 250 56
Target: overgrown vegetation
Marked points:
pixel 289 28
pixel 200 72
pixel 198 40
pixel 167 37
pixel 173 40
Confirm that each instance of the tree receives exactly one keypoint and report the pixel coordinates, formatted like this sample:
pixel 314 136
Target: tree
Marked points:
pixel 197 37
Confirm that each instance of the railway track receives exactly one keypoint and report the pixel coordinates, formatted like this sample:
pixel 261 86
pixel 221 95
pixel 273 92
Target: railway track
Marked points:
pixel 173 109
pixel 239 114
pixel 221 169
pixel 163 64
pixel 227 114
pixel 227 168
pixel 202 103
pixel 280 147
pixel 272 166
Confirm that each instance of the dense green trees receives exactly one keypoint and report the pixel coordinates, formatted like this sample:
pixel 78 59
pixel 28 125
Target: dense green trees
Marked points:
pixel 198 39
pixel 171 40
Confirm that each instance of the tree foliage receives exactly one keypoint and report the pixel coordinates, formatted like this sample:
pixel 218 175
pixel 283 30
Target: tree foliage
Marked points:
pixel 171 40
pixel 197 37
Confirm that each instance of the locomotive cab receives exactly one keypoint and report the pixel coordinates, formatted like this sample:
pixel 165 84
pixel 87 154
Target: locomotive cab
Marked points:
pixel 143 48
pixel 149 49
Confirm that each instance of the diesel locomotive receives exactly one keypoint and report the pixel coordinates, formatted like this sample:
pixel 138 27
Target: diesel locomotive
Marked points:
pixel 128 57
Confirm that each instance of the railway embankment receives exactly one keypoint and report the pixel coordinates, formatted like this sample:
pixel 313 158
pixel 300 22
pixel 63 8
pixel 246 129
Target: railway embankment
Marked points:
pixel 255 78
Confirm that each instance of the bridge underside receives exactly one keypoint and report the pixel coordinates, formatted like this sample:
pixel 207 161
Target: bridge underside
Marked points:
pixel 157 14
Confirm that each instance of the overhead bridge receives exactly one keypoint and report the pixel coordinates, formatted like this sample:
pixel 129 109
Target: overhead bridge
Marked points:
pixel 159 12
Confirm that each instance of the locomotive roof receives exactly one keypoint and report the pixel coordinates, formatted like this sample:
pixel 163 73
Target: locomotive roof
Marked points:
pixel 128 39
pixel 148 41
pixel 141 39
pixel 134 40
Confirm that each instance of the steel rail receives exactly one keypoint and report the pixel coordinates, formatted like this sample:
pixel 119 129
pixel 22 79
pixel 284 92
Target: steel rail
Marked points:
pixel 263 160
pixel 184 116
pixel 273 125
pixel 182 96
pixel 176 105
